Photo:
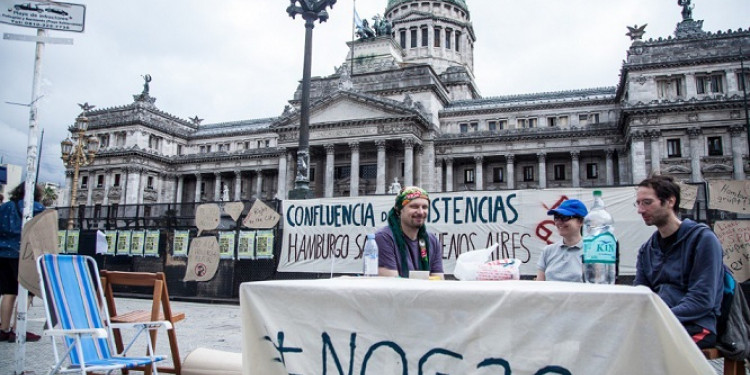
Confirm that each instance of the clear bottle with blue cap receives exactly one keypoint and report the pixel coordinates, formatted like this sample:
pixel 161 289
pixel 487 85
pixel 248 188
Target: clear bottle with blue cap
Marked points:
pixel 370 256
pixel 599 244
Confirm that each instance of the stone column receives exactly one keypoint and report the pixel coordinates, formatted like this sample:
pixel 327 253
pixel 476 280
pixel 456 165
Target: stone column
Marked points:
pixel 408 162
pixel 622 163
pixel 429 153
pixel 448 174
pixel 695 154
pixel 159 188
pixel 90 192
pixel 438 183
pixel 637 156
pixel 281 180
pixel 478 175
pixel 259 183
pixel 542 159
pixel 217 186
pixel 380 183
pixel 180 186
pixel 738 170
pixel 509 165
pixel 418 165
pixel 354 172
pixel 655 151
pixel 132 185
pixel 107 181
pixel 198 182
pixel 575 168
pixel 330 156
pixel 609 167
pixel 142 186
pixel 238 184
pixel 690 89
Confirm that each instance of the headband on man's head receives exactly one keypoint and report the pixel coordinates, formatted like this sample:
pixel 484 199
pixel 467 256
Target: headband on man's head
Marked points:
pixel 408 194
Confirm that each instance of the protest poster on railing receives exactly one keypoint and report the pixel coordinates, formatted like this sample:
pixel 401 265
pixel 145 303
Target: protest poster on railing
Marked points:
pixel 732 196
pixel 735 241
pixel 321 234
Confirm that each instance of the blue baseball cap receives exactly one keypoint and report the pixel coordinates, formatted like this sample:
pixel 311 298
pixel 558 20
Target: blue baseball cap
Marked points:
pixel 571 207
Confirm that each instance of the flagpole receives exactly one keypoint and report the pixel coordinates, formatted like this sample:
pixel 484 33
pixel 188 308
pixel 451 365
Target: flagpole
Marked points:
pixel 351 46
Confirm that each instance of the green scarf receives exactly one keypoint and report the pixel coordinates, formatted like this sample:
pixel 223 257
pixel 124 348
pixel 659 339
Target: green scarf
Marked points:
pixel 394 222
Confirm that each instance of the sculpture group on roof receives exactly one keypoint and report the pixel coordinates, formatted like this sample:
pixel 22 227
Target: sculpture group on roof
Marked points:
pixel 380 27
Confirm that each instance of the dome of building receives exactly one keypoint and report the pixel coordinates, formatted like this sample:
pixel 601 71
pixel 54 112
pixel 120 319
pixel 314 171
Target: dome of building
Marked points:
pixel 394 3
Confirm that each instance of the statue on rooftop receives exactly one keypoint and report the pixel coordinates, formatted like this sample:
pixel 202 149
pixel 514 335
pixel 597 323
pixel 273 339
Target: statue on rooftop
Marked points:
pixel 687 9
pixel 364 31
pixel 636 32
pixel 382 26
pixel 146 79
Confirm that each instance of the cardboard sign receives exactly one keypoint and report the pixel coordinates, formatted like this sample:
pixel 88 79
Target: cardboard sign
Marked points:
pixel 39 236
pixel 735 240
pixel 261 216
pixel 203 259
pixel 688 195
pixel 732 196
pixel 234 209
pixel 207 217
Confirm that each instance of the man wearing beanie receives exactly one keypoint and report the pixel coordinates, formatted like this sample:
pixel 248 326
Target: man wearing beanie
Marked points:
pixel 405 244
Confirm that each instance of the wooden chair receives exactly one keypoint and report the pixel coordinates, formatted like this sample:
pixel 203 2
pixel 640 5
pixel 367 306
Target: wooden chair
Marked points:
pixel 731 367
pixel 160 309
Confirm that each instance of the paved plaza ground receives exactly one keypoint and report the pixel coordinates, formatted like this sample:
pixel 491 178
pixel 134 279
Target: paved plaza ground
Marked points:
pixel 207 325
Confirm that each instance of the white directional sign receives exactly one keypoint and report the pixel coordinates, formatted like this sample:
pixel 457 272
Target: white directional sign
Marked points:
pixel 43 14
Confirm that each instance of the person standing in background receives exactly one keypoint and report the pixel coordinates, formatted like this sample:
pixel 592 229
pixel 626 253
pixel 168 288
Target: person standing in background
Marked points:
pixel 11 222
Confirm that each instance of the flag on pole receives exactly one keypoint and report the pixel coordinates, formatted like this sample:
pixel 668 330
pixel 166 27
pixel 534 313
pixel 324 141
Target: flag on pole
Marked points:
pixel 357 20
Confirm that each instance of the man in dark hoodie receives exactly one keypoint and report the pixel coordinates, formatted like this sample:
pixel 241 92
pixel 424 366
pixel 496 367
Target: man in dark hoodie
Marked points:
pixel 681 262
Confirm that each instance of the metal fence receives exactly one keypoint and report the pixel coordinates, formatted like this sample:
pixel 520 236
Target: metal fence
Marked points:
pixel 168 218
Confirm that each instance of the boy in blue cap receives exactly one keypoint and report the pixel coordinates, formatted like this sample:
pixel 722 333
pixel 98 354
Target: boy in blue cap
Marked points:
pixel 561 261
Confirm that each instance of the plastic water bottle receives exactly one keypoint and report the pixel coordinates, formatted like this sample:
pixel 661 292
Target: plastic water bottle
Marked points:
pixel 370 256
pixel 599 244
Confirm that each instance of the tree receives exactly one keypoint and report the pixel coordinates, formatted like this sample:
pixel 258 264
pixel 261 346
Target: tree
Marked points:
pixel 49 196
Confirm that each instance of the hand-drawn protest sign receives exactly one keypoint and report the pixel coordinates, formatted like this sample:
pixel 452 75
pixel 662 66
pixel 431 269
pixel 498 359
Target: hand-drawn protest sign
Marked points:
pixel 39 236
pixel 207 217
pixel 732 196
pixel 735 240
pixel 234 209
pixel 688 195
pixel 203 259
pixel 261 216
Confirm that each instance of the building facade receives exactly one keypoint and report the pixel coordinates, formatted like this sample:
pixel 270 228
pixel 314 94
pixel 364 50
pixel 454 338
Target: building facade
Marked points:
pixel 405 108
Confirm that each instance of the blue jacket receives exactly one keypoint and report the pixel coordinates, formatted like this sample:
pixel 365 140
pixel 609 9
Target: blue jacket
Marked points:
pixel 689 277
pixel 11 220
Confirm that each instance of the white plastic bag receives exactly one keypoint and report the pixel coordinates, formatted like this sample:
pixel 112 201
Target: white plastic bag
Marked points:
pixel 467 264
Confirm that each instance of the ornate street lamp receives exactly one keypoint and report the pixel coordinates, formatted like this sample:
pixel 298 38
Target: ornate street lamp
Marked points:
pixel 78 152
pixel 310 10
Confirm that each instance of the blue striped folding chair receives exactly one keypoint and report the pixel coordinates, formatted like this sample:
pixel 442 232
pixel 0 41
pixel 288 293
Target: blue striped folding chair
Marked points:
pixel 78 320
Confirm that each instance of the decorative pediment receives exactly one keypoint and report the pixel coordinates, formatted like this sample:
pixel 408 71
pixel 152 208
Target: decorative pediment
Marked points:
pixel 676 169
pixel 346 109
pixel 348 106
pixel 716 168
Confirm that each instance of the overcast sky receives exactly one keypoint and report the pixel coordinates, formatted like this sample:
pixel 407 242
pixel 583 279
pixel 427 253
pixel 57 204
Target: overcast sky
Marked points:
pixel 239 59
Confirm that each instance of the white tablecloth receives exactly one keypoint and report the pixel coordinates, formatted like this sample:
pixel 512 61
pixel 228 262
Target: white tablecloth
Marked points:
pixel 402 326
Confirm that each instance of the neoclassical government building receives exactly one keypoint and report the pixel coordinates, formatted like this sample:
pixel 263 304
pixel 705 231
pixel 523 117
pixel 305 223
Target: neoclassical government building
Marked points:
pixel 406 106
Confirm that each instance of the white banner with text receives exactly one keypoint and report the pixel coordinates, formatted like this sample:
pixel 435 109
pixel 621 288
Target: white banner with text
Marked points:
pixel 328 235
